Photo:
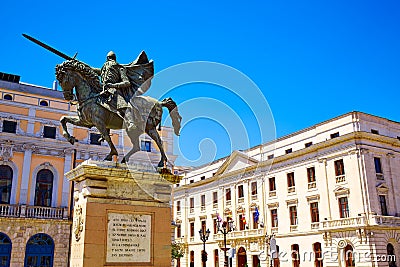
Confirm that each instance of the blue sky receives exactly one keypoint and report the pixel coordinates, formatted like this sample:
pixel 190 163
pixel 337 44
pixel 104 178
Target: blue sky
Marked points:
pixel 311 60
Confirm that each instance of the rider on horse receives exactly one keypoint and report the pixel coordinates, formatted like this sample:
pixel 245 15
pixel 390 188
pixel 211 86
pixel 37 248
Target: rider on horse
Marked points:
pixel 118 91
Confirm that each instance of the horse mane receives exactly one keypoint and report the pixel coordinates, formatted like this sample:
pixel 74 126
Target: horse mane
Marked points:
pixel 85 70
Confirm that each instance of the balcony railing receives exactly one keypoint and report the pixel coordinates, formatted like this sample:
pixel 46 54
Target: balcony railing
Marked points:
pixel 241 234
pixel 293 228
pixel 386 220
pixel 241 200
pixel 274 230
pixel 23 211
pixel 315 225
pixel 344 222
pixel 379 176
pixel 340 179
pixel 272 193
pixel 291 189
pixel 312 185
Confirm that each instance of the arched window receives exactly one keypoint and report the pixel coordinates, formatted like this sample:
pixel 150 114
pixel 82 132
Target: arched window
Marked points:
pixel 5 250
pixel 7 97
pixel 44 103
pixel 44 188
pixel 39 251
pixel 295 255
pixel 6 175
pixel 191 258
pixel 391 256
pixel 348 256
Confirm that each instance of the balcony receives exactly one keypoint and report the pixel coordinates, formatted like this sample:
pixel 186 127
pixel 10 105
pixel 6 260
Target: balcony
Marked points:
pixel 344 223
pixel 291 189
pixel 293 228
pixel 191 210
pixel 254 197
pixel 215 205
pixel 240 234
pixel 228 202
pixel 272 193
pixel 23 211
pixel 385 220
pixel 241 200
pixel 203 208
pixel 340 178
pixel 274 230
pixel 315 225
pixel 312 185
pixel 379 176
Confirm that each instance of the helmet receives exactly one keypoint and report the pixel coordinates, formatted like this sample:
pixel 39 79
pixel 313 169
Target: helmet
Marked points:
pixel 111 55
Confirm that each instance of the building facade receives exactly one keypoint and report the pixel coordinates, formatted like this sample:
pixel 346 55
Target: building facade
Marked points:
pixel 324 196
pixel 35 208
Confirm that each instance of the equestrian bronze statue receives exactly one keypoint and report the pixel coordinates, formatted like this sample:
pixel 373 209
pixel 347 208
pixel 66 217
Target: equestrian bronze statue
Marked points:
pixel 111 98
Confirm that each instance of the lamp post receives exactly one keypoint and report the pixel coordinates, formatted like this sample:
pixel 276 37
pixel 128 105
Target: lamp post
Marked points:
pixel 225 228
pixel 204 237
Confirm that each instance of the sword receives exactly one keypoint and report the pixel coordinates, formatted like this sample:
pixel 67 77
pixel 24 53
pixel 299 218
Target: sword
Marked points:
pixel 51 49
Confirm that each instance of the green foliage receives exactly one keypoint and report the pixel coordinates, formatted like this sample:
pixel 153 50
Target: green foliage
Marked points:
pixel 177 250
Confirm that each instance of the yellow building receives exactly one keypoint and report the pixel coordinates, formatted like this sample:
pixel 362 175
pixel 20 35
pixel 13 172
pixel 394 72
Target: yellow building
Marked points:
pixel 35 217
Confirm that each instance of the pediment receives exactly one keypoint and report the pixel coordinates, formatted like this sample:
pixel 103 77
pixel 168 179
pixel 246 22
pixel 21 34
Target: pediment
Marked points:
pixel 382 188
pixel 236 161
pixel 341 190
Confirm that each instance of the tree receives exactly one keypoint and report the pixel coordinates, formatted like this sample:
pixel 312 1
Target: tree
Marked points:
pixel 177 250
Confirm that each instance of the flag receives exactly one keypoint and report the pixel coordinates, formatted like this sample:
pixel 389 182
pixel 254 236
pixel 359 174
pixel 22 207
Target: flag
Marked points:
pixel 219 218
pixel 256 215
pixel 244 220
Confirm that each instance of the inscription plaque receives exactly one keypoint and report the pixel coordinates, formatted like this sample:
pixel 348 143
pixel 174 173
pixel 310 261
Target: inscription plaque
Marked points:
pixel 128 237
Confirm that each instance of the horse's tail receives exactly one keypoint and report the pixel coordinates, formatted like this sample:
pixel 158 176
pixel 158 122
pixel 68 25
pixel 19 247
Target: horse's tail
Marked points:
pixel 173 112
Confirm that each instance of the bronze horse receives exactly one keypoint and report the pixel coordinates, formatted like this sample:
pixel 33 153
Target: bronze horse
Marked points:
pixel 91 113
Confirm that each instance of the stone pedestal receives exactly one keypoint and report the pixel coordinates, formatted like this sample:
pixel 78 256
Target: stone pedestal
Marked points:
pixel 121 217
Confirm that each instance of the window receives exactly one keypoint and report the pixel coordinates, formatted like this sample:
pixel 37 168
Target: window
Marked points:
pixel 192 229
pixel 295 255
pixel 203 226
pixel 178 206
pixel 9 126
pixel 94 139
pixel 382 202
pixel 7 97
pixel 293 215
pixel 339 167
pixel 378 168
pixel 216 258
pixel 272 185
pixel 308 144
pixel 145 146
pixel 6 174
pixel 191 181
pixel 314 212
pixel 215 225
pixel 191 258
pixel 178 230
pixel 240 191
pixel 242 222
pixel 5 250
pixel 228 219
pixel 39 251
pixel 202 177
pixel 44 188
pixel 270 156
pixel 228 194
pixel 318 261
pixel 343 207
pixel 335 135
pixel 287 151
pixel 49 132
pixel 311 174
pixel 391 255
pixel 374 131
pixel 215 199
pixel 254 188
pixel 43 103
pixel 274 218
pixel 290 182
pixel 191 203
pixel 348 256
pixel 203 201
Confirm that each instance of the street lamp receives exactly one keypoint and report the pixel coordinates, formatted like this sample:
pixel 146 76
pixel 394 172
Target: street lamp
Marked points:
pixel 225 228
pixel 204 237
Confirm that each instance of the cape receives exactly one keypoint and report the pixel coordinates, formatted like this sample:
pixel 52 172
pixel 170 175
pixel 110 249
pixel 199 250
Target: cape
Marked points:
pixel 140 72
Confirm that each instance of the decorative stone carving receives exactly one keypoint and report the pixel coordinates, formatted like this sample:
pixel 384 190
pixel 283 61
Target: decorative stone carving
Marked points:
pixel 6 151
pixel 78 222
